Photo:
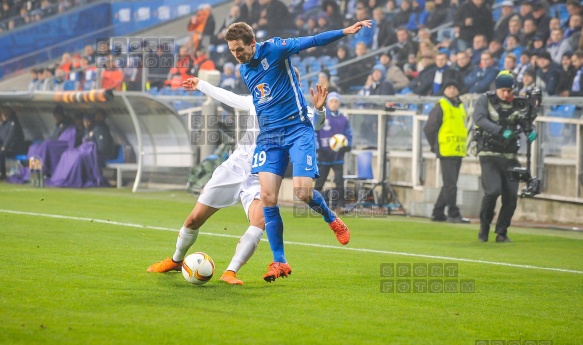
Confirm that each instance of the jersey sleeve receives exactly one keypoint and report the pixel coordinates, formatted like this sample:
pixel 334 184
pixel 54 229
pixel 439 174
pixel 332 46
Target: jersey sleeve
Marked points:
pixel 227 97
pixel 317 117
pixel 290 46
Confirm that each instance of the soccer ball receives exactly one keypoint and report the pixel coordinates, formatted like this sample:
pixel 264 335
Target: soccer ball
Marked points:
pixel 198 268
pixel 338 141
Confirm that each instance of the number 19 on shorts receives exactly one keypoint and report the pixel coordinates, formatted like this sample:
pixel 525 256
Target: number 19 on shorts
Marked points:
pixel 259 159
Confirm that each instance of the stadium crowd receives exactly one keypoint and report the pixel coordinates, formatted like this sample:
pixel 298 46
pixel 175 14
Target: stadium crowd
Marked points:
pixel 417 51
pixel 16 13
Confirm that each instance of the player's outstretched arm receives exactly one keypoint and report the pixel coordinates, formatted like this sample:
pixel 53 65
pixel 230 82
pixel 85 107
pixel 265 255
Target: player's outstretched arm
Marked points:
pixel 356 27
pixel 221 95
pixel 328 37
pixel 319 99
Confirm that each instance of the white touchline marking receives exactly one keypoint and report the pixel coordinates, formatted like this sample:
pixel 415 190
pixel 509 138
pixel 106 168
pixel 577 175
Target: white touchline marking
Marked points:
pixel 138 226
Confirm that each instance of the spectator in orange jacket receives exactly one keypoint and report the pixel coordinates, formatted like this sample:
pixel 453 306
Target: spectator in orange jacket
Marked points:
pixel 111 77
pixel 203 27
pixel 201 62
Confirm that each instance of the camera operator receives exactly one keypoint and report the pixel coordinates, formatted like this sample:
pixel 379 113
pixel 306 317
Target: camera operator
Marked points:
pixel 497 134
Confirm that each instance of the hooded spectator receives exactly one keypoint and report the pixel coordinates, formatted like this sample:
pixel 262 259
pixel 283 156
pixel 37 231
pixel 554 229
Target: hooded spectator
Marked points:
pixel 376 84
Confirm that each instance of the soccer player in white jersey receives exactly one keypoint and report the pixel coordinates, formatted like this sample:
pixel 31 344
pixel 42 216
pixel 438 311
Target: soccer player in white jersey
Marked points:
pixel 230 181
pixel 285 134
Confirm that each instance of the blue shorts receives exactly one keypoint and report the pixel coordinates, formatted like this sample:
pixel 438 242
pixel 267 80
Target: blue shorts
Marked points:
pixel 280 146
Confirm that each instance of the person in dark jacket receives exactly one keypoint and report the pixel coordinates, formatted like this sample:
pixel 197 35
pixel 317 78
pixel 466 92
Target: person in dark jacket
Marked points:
pixel 430 81
pixel 497 134
pixel 100 134
pixel 549 72
pixel 62 122
pixel 576 83
pixel 473 18
pixel 11 138
pixel 376 84
pixel 275 18
pixel 481 77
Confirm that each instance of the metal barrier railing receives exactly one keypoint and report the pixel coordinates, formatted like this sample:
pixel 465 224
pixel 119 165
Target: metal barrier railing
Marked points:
pixel 559 145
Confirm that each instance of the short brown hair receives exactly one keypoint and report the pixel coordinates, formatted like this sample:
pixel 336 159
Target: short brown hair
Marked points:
pixel 240 31
pixel 511 56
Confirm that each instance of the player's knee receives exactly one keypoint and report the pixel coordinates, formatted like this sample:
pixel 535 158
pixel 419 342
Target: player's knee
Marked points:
pixel 303 193
pixel 268 199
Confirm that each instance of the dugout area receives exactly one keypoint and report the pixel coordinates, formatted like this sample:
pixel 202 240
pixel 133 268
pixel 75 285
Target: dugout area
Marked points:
pixel 154 140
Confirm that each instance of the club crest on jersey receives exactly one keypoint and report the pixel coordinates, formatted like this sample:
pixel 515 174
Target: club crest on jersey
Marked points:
pixel 263 91
pixel 265 64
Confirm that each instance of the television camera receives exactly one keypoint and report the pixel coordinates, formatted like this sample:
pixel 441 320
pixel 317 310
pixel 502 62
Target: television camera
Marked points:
pixel 526 109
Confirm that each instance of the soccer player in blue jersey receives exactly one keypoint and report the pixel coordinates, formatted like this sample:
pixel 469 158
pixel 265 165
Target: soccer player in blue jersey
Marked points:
pixel 285 135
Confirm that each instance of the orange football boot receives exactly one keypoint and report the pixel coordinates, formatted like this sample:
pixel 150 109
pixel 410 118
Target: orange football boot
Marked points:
pixel 230 277
pixel 276 270
pixel 165 265
pixel 340 230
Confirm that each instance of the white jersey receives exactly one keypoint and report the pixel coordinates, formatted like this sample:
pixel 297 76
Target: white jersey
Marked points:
pixel 233 179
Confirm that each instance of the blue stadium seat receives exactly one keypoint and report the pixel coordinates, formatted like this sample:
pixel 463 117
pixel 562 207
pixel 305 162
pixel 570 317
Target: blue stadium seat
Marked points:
pixel 153 91
pixel 323 60
pixel 427 108
pixel 120 155
pixel 180 92
pixel 165 91
pixel 309 59
pixel 329 63
pixel 314 81
pixel 363 167
pixel 301 67
pixel 305 87
pixel 363 179
pixel 295 59
pixel 315 67
pixel 564 111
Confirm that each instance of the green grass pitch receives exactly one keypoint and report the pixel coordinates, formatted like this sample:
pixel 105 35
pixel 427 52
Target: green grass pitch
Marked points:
pixel 74 272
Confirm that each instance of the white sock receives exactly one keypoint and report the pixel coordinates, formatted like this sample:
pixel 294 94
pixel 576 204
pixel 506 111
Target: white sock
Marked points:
pixel 185 240
pixel 245 248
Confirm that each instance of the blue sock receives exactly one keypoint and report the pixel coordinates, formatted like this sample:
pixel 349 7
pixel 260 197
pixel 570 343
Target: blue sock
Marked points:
pixel 274 231
pixel 319 205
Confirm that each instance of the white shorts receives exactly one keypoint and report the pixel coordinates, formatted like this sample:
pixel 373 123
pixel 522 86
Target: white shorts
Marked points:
pixel 230 182
pixel 250 190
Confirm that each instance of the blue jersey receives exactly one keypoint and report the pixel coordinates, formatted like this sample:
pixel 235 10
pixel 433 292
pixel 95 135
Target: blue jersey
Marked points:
pixel 270 77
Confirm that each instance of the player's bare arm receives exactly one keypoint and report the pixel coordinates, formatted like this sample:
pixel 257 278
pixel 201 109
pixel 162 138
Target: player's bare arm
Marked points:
pixel 190 84
pixel 319 96
pixel 351 30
